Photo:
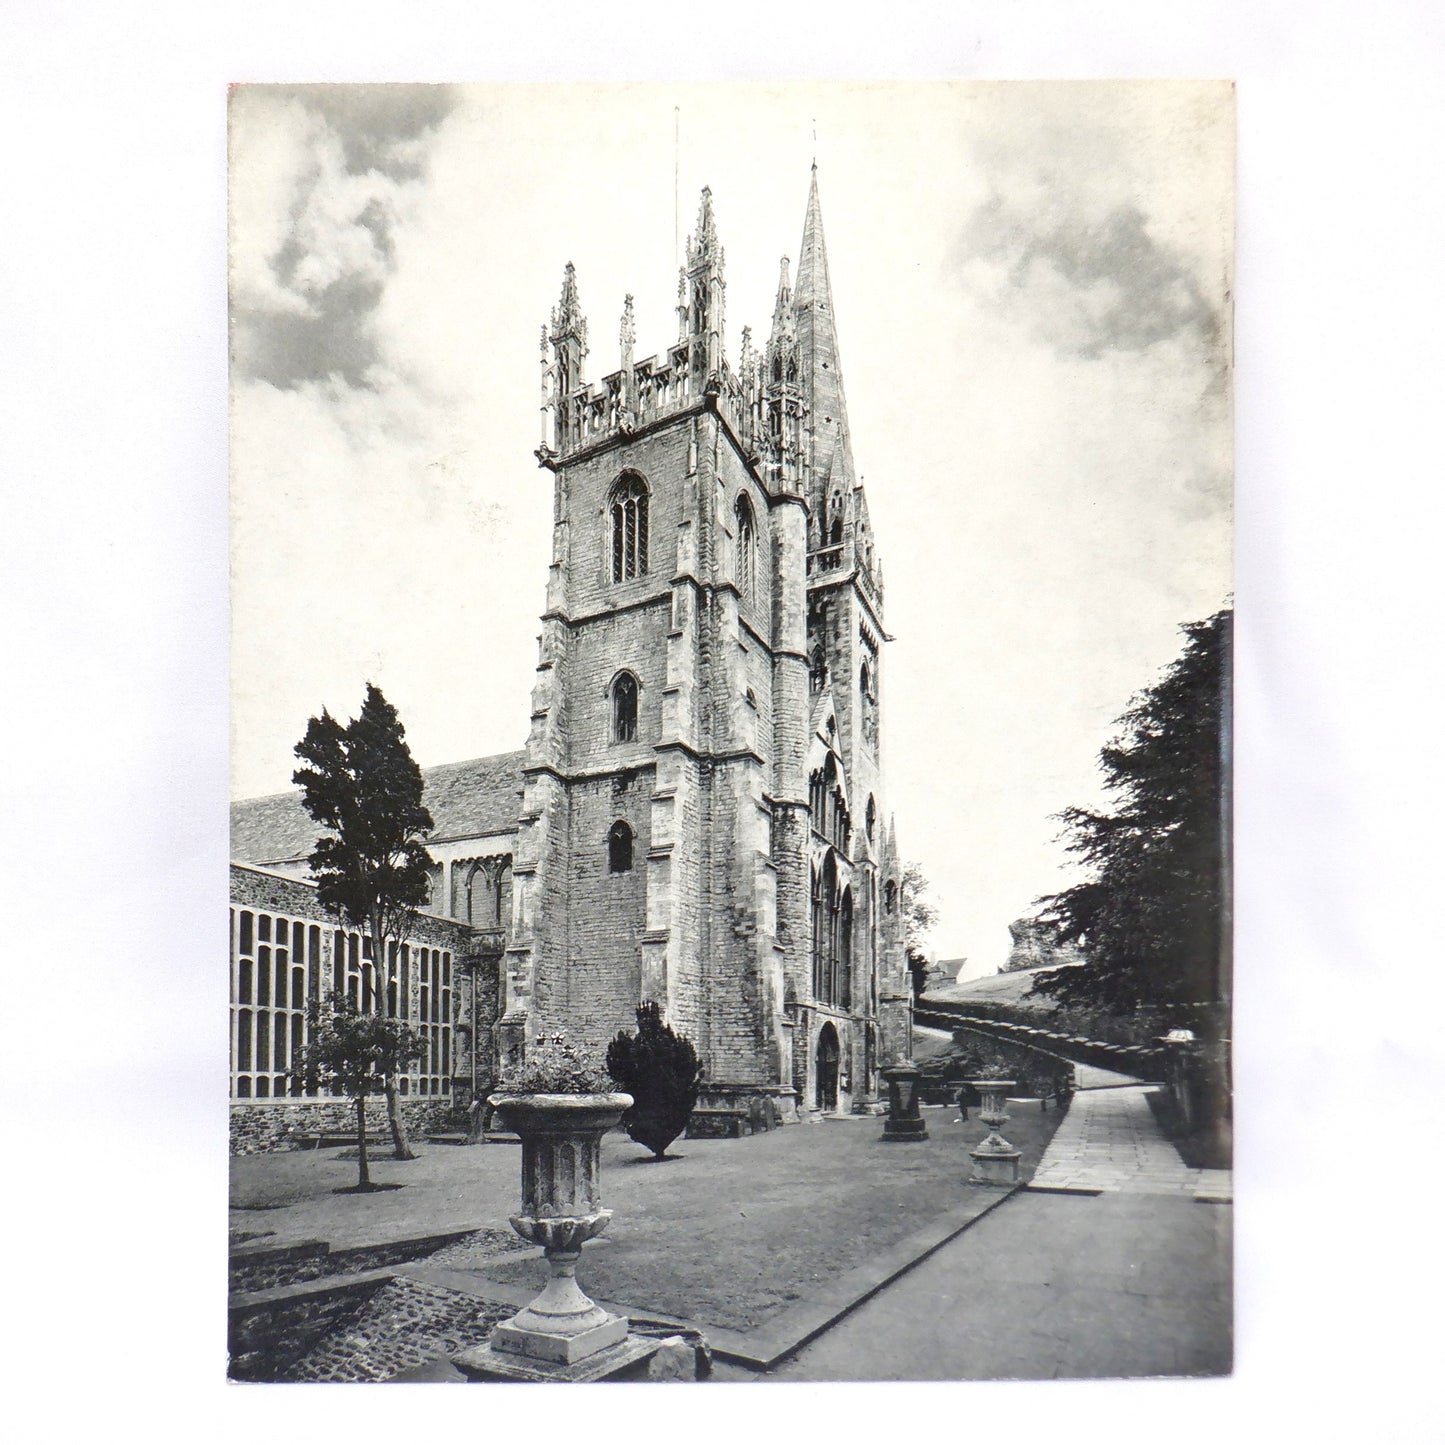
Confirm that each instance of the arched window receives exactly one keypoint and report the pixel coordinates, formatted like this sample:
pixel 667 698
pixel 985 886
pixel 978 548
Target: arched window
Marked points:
pixel 870 818
pixel 864 681
pixel 624 708
pixel 844 993
pixel 818 668
pixel 619 848
pixel 628 509
pixel 890 896
pixel 819 925
pixel 746 548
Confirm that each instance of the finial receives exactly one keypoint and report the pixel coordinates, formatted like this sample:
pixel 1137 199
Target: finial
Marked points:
pixel 703 243
pixel 567 316
pixel 629 327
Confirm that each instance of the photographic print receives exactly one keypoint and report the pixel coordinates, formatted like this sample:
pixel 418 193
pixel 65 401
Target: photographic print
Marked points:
pixel 731 633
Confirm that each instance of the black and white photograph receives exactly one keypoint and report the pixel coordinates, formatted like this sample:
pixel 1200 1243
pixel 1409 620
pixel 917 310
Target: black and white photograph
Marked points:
pixel 821 913
pixel 734 698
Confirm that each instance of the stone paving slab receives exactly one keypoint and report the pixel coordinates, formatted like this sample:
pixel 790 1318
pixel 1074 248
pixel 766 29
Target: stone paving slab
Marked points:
pixel 1111 1143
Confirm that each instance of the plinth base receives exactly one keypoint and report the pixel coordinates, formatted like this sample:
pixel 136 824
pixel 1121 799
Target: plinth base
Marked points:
pixel 512 1338
pixel 624 1360
pixel 994 1167
pixel 898 1131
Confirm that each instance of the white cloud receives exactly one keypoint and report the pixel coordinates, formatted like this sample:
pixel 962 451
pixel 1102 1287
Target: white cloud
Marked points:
pixel 1048 510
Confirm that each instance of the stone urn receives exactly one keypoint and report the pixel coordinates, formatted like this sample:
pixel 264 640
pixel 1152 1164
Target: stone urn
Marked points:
pixel 904 1122
pixel 561 1138
pixel 995 1161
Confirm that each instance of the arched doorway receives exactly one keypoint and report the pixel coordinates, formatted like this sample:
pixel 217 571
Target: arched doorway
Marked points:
pixel 826 1072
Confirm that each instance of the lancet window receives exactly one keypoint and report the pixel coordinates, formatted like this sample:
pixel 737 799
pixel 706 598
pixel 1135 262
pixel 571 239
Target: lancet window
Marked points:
pixel 746 545
pixel 624 708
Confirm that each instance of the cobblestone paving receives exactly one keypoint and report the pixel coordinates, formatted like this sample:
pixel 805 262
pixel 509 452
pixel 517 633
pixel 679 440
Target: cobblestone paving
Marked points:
pixel 1110 1142
pixel 476 1249
pixel 405 1324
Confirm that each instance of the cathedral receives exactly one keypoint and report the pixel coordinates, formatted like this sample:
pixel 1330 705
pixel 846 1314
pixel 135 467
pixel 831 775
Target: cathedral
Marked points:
pixel 698 816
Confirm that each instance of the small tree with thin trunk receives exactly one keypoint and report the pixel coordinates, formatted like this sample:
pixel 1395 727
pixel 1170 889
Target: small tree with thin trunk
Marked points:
pixel 660 1070
pixel 356 1053
pixel 364 787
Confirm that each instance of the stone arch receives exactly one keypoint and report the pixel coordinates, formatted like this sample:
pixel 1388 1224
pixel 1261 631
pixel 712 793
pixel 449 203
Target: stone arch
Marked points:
pixel 826 1054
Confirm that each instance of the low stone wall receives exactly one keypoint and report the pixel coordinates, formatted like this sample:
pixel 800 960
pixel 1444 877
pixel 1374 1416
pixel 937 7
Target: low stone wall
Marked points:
pixel 261 1126
pixel 258 1266
pixel 270 1330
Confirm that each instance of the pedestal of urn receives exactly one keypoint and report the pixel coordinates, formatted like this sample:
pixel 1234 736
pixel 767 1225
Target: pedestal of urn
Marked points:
pixel 561 1145
pixel 995 1161
pixel 904 1122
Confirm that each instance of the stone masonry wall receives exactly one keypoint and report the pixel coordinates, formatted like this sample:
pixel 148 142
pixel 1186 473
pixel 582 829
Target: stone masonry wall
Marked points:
pixel 260 1126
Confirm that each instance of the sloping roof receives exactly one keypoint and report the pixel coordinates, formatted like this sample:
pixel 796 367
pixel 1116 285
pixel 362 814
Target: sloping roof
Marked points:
pixel 466 800
pixel 481 796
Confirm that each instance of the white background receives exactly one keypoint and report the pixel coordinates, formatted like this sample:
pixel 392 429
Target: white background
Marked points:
pixel 112 459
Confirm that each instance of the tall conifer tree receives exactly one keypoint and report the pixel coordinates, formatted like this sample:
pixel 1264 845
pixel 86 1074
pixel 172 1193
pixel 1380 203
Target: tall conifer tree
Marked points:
pixel 1153 920
pixel 365 788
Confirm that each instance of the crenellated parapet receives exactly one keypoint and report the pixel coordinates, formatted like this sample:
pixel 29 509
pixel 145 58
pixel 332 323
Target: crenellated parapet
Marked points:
pixel 763 400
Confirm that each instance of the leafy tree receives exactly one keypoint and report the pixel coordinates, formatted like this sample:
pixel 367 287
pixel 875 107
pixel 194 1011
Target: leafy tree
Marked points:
pixel 1152 919
pixel 660 1069
pixel 355 1052
pixel 365 788
pixel 918 916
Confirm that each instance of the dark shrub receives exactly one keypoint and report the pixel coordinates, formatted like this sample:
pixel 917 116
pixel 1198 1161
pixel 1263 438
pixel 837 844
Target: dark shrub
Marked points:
pixel 661 1072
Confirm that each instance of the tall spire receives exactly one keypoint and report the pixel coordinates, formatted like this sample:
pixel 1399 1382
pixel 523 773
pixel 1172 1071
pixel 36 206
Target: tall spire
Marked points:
pixel 818 352
pixel 812 285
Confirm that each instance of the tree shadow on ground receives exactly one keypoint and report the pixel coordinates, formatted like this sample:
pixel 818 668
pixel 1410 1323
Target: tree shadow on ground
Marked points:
pixel 372 1188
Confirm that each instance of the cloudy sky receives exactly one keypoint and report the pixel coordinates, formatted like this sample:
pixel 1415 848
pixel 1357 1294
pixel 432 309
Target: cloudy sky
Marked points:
pixel 1031 284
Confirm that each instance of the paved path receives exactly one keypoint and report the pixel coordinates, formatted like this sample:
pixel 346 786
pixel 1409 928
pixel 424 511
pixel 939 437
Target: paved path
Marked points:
pixel 1047 1286
pixel 1127 1272
pixel 1110 1143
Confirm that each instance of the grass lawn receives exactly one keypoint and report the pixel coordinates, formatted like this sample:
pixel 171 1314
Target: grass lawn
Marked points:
pixel 729 1233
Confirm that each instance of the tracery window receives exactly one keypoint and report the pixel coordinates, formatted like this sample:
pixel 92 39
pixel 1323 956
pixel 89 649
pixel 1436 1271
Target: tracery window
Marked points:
pixel 431 1073
pixel 628 509
pixel 832 937
pixel 275 973
pixel 279 970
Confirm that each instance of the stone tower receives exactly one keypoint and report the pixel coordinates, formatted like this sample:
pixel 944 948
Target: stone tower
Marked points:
pixel 703 819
